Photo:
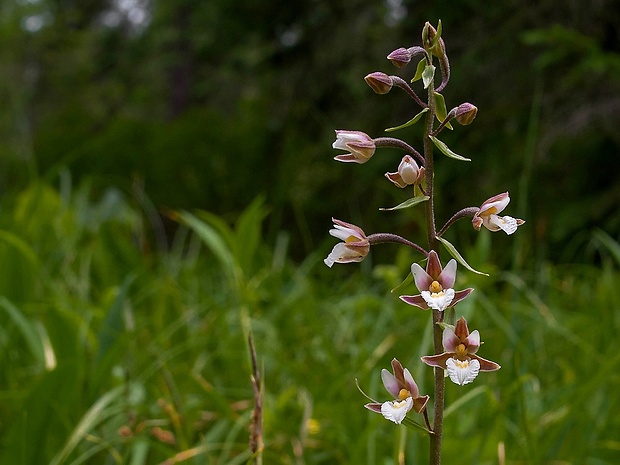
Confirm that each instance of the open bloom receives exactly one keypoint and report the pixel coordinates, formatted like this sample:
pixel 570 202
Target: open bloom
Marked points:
pixel 405 392
pixel 359 145
pixel 460 359
pixel 355 245
pixel 487 215
pixel 408 173
pixel 435 285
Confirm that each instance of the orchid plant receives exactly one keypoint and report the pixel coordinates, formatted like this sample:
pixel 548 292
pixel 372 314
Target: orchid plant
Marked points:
pixel 455 348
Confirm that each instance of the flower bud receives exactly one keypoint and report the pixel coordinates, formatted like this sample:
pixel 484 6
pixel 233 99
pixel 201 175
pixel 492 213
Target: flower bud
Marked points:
pixel 381 83
pixel 466 113
pixel 400 57
pixel 359 144
pixel 431 42
pixel 408 173
pixel 428 34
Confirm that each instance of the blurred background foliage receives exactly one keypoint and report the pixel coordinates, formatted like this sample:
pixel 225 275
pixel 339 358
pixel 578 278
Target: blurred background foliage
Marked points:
pixel 123 316
pixel 209 104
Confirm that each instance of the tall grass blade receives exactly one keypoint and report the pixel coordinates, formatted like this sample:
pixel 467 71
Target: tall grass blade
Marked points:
pixel 94 416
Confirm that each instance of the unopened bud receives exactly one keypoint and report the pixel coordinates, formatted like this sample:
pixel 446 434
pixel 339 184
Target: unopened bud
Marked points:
pixel 428 34
pixel 381 83
pixel 466 113
pixel 400 57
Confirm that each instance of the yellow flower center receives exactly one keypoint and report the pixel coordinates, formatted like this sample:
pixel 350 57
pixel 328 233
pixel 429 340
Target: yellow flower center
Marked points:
pixel 403 394
pixel 352 239
pixel 435 287
pixel 461 352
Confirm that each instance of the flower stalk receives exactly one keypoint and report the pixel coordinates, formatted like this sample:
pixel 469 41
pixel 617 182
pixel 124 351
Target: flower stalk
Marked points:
pixel 454 347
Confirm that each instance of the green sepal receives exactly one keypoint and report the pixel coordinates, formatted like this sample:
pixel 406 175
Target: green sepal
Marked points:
pixel 408 203
pixel 427 75
pixel 419 70
pixel 446 150
pixel 440 109
pixel 437 34
pixel 412 121
pixel 459 258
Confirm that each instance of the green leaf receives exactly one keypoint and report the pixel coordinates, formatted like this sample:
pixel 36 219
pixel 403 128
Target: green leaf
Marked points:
pixel 408 203
pixel 440 109
pixel 412 121
pixel 27 328
pixel 113 325
pixel 459 258
pixel 427 75
pixel 446 150
pixel 419 70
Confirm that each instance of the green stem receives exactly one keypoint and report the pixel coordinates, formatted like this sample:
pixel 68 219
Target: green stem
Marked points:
pixel 435 439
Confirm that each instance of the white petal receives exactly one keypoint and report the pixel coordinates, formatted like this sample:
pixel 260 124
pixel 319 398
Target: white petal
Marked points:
pixel 342 254
pixel 438 301
pixel 462 372
pixel 396 411
pixel 342 232
pixel 508 224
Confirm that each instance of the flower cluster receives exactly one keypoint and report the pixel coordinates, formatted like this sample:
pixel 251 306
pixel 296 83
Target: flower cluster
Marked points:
pixel 455 348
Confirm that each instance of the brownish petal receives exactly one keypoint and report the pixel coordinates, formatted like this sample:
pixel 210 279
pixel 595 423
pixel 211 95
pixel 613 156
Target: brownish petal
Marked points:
pixel 437 360
pixel 433 266
pixel 419 403
pixel 460 295
pixel 461 330
pixel 374 406
pixel 415 300
pixel 486 365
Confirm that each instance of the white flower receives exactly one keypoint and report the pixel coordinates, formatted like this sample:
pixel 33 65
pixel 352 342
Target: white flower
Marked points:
pixel 488 216
pixel 355 245
pixel 462 372
pixel 361 146
pixel 396 410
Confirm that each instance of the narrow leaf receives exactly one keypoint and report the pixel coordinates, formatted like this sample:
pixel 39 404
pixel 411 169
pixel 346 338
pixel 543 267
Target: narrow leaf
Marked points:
pixel 419 70
pixel 427 75
pixel 412 121
pixel 446 150
pixel 408 203
pixel 459 258
pixel 440 109
pixel 97 413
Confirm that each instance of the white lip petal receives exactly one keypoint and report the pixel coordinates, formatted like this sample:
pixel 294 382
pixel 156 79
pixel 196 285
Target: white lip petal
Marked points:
pixel 396 410
pixel 342 254
pixel 508 224
pixel 438 301
pixel 462 372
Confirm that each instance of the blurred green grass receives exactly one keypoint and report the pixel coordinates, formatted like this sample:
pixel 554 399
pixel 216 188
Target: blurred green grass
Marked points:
pixel 117 353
